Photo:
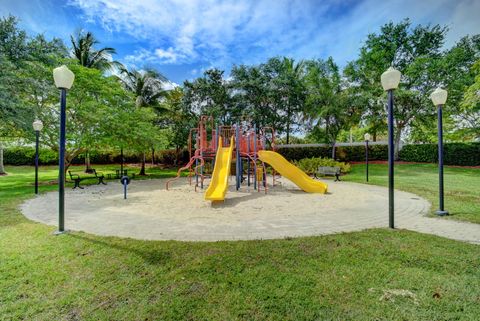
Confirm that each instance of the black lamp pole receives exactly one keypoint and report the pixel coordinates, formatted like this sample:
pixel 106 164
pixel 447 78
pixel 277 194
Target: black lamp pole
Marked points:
pixel 390 80
pixel 63 78
pixel 37 135
pixel 441 211
pixel 121 162
pixel 61 162
pixel 366 157
pixel 391 219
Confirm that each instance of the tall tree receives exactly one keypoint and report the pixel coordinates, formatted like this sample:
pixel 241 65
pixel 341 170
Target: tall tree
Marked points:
pixel 270 94
pixel 21 58
pixel 84 51
pixel 416 52
pixel 470 107
pixel 147 87
pixel 253 96
pixel 290 86
pixel 13 41
pixel 179 119
pixel 210 95
pixel 327 106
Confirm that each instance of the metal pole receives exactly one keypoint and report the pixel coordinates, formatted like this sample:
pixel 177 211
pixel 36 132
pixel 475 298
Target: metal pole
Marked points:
pixel 391 221
pixel 201 171
pixel 121 162
pixel 248 159
pixel 237 155
pixel 215 148
pixel 125 190
pixel 366 157
pixel 441 211
pixel 196 174
pixel 61 161
pixel 255 153
pixel 37 135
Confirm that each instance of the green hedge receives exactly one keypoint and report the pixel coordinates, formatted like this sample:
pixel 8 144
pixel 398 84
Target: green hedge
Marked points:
pixel 26 156
pixel 461 154
pixel 342 153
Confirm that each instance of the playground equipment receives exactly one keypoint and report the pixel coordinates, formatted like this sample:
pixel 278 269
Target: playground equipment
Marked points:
pixel 245 144
pixel 292 172
pixel 219 183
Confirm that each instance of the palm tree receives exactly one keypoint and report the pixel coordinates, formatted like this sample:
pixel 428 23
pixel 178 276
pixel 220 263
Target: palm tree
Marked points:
pixel 83 50
pixel 147 86
pixel 293 74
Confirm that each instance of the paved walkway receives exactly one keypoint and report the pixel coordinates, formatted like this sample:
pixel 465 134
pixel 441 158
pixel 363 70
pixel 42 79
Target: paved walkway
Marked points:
pixel 152 213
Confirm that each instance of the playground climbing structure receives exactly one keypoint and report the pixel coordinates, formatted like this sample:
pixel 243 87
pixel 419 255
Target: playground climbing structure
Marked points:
pixel 250 148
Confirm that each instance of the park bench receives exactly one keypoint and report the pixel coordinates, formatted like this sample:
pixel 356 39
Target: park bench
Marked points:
pixel 75 176
pixel 120 174
pixel 329 171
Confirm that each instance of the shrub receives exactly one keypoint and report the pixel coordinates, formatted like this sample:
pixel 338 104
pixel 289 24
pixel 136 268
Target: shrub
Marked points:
pixel 26 156
pixel 310 165
pixel 169 156
pixel 22 155
pixel 461 154
pixel 342 153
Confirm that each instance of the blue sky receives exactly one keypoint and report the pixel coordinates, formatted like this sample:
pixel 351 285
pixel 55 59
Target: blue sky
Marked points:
pixel 182 38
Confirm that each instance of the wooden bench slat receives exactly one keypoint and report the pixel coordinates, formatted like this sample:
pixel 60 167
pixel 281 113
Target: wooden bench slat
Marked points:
pixel 329 170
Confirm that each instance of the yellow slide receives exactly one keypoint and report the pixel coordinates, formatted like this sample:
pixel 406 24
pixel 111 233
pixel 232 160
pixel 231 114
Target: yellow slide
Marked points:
pixel 292 172
pixel 219 182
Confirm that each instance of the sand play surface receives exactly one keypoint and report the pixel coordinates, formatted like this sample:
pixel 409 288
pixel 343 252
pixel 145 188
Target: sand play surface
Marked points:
pixel 153 213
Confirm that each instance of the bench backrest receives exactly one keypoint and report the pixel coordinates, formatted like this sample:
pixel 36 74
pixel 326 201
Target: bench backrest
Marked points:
pixel 77 174
pixel 328 169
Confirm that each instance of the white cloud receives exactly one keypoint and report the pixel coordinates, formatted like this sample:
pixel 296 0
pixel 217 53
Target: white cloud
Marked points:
pixel 220 33
pixel 169 85
pixel 141 56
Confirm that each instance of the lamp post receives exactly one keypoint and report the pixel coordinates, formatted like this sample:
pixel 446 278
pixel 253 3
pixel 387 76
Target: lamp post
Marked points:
pixel 37 127
pixel 439 97
pixel 367 139
pixel 390 80
pixel 121 162
pixel 63 78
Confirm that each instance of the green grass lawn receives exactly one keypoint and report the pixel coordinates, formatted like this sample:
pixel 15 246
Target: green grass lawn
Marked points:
pixel 462 186
pixel 354 276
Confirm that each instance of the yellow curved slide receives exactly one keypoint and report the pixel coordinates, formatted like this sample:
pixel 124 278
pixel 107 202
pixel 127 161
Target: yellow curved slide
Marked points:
pixel 292 172
pixel 219 182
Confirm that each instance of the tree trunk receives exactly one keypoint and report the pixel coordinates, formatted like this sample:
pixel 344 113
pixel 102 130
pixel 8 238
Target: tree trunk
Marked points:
pixel 142 170
pixel 288 133
pixel 333 150
pixel 2 168
pixel 288 127
pixel 177 155
pixel 88 168
pixel 153 156
pixel 397 138
pixel 375 136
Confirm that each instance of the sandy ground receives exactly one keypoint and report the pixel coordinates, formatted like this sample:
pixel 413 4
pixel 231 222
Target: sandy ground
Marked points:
pixel 153 213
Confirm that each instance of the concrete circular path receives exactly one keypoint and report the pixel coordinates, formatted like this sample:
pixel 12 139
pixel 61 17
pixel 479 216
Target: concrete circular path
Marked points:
pixel 152 213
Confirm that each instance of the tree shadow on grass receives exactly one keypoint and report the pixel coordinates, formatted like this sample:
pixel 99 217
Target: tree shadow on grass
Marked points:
pixel 151 255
